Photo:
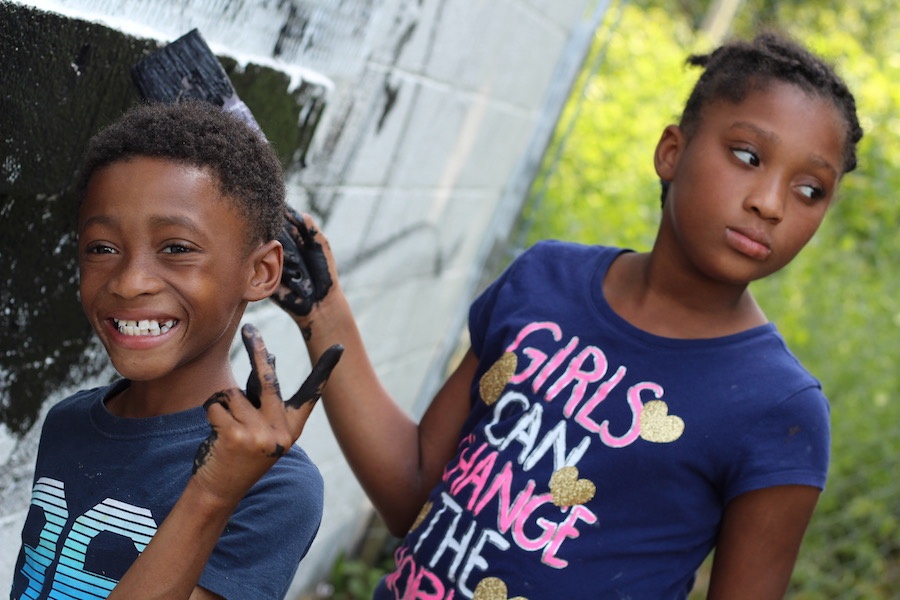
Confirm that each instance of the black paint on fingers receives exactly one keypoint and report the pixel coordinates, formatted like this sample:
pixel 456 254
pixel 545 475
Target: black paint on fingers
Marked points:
pixel 318 377
pixel 250 336
pixel 305 278
pixel 204 450
pixel 217 398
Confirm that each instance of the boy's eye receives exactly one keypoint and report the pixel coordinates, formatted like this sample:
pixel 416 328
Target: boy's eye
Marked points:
pixel 746 156
pixel 100 249
pixel 176 249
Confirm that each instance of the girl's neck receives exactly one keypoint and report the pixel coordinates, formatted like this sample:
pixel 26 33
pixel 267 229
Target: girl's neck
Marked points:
pixel 654 297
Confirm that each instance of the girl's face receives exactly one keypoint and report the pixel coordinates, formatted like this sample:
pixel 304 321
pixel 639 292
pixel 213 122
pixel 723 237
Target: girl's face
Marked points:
pixel 752 184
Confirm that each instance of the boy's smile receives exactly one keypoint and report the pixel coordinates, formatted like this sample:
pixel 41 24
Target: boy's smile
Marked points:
pixel 164 269
pixel 751 185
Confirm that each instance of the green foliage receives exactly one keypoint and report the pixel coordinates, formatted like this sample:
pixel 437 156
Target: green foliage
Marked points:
pixel 838 303
pixel 355 579
pixel 604 186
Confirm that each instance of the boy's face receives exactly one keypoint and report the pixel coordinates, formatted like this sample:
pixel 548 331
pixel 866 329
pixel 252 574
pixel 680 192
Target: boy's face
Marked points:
pixel 164 267
pixel 752 184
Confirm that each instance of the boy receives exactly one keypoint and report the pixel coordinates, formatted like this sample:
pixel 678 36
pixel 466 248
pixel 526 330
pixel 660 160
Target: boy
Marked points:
pixel 180 209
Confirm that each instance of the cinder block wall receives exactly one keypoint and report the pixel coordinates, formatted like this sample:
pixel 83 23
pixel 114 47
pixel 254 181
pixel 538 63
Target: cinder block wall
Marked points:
pixel 410 128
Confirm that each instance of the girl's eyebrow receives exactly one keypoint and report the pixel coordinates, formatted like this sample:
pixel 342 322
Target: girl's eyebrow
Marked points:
pixel 765 133
pixel 817 160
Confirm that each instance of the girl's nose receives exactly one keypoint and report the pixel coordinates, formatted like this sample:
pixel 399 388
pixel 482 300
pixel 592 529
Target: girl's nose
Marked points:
pixel 767 201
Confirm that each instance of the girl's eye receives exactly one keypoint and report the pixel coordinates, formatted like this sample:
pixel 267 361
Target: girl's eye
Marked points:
pixel 746 156
pixel 812 192
pixel 176 249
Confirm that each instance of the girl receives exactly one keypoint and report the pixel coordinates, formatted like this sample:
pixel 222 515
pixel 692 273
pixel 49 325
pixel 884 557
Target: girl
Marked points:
pixel 620 414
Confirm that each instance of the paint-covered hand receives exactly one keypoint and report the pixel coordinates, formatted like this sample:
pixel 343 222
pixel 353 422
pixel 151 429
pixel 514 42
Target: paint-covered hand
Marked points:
pixel 251 430
pixel 306 277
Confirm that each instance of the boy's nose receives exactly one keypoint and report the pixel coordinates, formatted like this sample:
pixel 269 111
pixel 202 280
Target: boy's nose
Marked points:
pixel 134 277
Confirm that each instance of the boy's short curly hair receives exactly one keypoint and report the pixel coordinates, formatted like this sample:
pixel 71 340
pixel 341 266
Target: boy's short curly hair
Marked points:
pixel 201 135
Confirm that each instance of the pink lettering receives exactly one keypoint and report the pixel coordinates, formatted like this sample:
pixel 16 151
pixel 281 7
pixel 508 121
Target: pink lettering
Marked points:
pixel 416 579
pixel 583 417
pixel 576 372
pixel 566 530
pixel 507 512
pixel 554 364
pixel 537 357
pixel 464 464
pixel 634 401
pixel 518 531
pixel 477 478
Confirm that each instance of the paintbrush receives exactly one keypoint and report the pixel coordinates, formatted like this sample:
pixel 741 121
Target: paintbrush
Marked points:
pixel 187 68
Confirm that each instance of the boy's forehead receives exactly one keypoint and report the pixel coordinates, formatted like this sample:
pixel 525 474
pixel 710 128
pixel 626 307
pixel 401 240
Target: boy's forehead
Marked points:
pixel 154 180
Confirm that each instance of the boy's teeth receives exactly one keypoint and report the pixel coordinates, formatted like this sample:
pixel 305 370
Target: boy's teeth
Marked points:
pixel 143 327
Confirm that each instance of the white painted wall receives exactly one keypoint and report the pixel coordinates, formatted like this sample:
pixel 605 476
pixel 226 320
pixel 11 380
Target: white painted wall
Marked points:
pixel 413 193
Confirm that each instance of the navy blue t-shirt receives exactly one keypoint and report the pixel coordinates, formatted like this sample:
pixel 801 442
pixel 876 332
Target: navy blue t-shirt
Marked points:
pixel 103 484
pixel 598 458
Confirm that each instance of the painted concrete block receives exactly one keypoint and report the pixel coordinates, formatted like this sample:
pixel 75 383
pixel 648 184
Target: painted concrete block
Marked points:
pixel 433 114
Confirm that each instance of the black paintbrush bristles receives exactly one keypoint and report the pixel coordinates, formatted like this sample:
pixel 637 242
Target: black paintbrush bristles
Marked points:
pixel 187 69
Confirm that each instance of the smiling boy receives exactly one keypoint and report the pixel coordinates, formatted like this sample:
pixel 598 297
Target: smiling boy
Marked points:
pixel 179 212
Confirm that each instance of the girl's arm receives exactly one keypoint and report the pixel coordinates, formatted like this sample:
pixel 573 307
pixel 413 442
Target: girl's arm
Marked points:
pixel 396 460
pixel 759 541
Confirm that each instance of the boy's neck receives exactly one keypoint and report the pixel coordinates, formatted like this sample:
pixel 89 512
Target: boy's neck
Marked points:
pixel 643 292
pixel 174 393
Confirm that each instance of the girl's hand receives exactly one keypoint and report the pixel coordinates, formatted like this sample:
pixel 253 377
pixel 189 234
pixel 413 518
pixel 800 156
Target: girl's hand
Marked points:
pixel 251 430
pixel 307 275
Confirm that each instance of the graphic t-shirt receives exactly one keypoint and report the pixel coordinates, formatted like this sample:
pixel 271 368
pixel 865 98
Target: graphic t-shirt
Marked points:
pixel 103 485
pixel 597 459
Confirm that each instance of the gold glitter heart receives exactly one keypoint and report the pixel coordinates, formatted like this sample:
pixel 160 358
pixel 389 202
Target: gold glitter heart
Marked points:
pixel 491 588
pixel 568 490
pixel 495 379
pixel 657 425
pixel 423 514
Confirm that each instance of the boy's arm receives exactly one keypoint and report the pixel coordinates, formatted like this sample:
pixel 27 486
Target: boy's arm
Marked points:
pixel 759 541
pixel 396 460
pixel 246 441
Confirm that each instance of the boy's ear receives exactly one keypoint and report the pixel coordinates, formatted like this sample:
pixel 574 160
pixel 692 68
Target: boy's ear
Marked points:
pixel 265 274
pixel 668 151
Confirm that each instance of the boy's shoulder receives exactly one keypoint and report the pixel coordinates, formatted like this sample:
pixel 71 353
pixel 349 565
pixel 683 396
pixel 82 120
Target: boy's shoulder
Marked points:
pixel 82 399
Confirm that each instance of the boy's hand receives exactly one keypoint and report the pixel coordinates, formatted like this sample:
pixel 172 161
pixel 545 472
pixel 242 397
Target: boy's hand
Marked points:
pixel 306 276
pixel 250 432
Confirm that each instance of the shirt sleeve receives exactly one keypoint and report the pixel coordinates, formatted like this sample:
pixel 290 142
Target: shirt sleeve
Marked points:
pixel 790 445
pixel 269 533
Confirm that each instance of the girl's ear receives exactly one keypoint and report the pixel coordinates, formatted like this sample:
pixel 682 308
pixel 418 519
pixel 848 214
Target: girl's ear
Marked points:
pixel 265 276
pixel 668 151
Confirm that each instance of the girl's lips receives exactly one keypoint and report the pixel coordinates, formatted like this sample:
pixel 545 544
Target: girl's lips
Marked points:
pixel 754 244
